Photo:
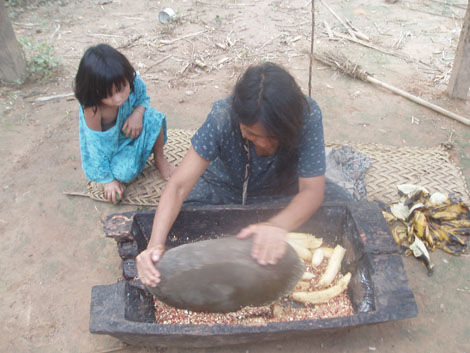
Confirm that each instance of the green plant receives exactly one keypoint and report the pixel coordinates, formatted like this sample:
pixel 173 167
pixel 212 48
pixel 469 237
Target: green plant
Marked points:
pixel 40 63
pixel 9 94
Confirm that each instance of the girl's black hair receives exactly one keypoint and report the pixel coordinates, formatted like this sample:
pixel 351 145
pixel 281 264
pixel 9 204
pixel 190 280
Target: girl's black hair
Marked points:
pixel 101 68
pixel 268 94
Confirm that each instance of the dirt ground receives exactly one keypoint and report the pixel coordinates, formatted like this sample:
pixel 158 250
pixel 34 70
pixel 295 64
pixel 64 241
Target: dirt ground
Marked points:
pixel 54 249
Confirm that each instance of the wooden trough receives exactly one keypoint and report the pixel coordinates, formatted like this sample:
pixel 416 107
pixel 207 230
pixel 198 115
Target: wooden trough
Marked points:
pixel 378 290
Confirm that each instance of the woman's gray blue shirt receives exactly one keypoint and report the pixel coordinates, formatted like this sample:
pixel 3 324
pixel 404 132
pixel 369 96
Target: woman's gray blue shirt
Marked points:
pixel 219 141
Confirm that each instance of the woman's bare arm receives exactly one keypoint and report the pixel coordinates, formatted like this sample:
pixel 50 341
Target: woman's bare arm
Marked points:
pixel 303 205
pixel 169 206
pixel 269 243
pixel 178 188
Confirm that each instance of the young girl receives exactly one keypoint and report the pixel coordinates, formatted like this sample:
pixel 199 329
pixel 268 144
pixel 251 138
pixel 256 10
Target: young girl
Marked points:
pixel 118 129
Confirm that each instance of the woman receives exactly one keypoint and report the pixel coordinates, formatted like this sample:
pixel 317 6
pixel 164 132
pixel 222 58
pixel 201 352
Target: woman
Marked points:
pixel 263 144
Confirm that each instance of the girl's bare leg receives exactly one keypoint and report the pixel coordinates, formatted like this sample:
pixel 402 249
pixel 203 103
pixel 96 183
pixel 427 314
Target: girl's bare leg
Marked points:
pixel 165 168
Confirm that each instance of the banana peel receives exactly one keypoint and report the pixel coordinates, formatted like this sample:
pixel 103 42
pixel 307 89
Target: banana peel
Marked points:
pixel 399 232
pixel 420 252
pixel 421 222
pixel 450 212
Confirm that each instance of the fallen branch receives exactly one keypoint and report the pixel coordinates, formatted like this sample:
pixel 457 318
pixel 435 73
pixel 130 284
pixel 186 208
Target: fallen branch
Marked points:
pixel 372 46
pixel 397 54
pixel 228 6
pixel 328 30
pixel 339 61
pixel 356 31
pixel 45 99
pixel 338 18
pixel 98 35
pixel 54 33
pixel 347 24
pixel 297 25
pixel 272 39
pixel 454 16
pixel 460 6
pixel 158 62
pixel 165 42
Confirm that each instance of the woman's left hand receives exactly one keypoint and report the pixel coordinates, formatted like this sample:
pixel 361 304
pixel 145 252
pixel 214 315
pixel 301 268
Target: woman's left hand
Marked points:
pixel 269 243
pixel 133 125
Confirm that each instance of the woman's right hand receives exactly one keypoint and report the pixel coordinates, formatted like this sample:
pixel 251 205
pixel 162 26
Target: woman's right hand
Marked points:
pixel 113 191
pixel 146 270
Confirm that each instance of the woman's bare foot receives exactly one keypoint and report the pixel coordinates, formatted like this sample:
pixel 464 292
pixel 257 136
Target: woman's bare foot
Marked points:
pixel 165 168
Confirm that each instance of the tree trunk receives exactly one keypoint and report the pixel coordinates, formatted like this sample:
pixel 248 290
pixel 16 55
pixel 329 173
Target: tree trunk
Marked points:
pixel 459 82
pixel 12 63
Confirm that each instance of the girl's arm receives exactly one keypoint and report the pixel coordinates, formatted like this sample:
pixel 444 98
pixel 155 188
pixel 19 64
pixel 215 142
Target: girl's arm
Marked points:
pixel 132 127
pixel 169 206
pixel 269 237
pixel 140 91
pixel 93 119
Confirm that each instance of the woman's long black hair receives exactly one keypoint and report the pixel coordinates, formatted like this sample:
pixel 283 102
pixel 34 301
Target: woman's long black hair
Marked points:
pixel 101 68
pixel 268 94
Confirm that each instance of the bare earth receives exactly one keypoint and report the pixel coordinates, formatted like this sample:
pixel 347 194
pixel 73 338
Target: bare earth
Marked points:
pixel 53 246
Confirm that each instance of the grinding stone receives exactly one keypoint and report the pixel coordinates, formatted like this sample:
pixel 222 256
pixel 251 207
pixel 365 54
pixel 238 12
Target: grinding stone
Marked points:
pixel 220 275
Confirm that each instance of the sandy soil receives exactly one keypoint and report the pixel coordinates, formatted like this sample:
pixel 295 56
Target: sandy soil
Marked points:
pixel 53 247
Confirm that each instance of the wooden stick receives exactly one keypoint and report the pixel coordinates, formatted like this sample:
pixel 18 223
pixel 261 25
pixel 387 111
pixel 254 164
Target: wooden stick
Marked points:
pixel 272 39
pixel 351 32
pixel 44 99
pixel 183 37
pixel 339 61
pixel 311 50
pixel 328 30
pixel 460 6
pixel 420 101
pixel 158 62
pixel 98 35
pixel 372 46
pixel 395 53
pixel 76 193
pixel 357 32
pixel 454 17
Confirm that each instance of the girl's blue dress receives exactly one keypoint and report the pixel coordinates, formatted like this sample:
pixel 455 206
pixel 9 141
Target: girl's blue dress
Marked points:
pixel 109 155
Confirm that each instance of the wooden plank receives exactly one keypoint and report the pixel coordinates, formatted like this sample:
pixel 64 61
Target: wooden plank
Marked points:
pixel 459 82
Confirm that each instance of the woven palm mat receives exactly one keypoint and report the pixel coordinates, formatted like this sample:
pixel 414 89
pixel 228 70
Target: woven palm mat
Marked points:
pixel 147 188
pixel 391 166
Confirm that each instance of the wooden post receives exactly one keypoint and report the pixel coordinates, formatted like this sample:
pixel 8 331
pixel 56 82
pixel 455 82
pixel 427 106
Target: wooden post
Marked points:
pixel 312 39
pixel 12 63
pixel 459 82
